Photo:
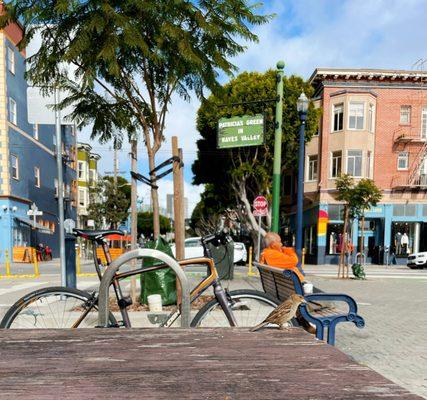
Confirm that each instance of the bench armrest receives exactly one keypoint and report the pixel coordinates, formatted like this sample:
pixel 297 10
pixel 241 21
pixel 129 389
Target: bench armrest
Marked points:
pixel 352 305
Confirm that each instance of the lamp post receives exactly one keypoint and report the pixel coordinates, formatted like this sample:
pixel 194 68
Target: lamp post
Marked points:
pixel 277 149
pixel 302 107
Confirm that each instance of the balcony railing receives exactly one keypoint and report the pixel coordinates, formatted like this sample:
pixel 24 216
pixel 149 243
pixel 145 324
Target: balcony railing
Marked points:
pixel 406 134
pixel 406 182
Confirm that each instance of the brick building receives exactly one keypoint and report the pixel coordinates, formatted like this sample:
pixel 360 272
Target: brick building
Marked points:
pixel 373 125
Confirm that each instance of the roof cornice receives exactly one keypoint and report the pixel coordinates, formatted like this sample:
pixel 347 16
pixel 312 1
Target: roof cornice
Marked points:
pixel 320 74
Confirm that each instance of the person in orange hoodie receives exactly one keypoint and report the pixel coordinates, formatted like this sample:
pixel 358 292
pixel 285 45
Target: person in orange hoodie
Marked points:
pixel 276 255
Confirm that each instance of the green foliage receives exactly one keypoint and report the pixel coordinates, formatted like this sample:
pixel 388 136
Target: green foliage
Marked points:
pixel 366 195
pixel 131 56
pixel 357 197
pixel 344 185
pixel 123 185
pixel 108 203
pixel 145 224
pixel 171 46
pixel 254 165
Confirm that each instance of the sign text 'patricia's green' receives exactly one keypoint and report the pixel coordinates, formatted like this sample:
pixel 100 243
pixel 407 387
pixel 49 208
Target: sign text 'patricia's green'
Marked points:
pixel 247 130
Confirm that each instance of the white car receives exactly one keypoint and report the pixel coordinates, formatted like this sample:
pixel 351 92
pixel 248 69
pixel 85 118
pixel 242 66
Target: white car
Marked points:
pixel 417 260
pixel 193 248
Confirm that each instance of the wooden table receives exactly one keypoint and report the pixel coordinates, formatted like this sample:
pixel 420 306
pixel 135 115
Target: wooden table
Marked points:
pixel 182 364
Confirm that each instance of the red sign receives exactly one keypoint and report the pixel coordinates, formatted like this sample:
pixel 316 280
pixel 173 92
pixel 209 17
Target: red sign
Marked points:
pixel 260 206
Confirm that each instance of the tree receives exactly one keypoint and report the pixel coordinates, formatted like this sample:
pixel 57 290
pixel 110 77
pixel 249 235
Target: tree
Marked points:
pixel 357 199
pixel 108 204
pixel 366 195
pixel 145 224
pixel 237 176
pixel 138 52
pixel 123 185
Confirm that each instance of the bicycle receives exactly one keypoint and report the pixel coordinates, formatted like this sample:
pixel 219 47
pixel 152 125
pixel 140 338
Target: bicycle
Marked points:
pixel 61 307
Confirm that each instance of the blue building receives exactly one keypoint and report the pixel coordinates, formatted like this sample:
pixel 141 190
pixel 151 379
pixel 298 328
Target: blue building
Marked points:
pixel 28 170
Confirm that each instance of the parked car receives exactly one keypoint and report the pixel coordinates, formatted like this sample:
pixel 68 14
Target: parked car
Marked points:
pixel 417 260
pixel 193 248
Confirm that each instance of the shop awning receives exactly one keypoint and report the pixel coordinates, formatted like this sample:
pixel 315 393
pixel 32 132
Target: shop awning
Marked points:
pixel 29 222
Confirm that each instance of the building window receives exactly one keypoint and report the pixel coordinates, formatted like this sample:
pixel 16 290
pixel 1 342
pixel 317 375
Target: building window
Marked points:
pixel 82 198
pixel 354 163
pixel 338 112
pixel 36 131
pixel 405 115
pixel 336 162
pixel 81 170
pixel 15 166
pixel 371 118
pixel 403 161
pixel 424 123
pixel 368 164
pixel 12 111
pixel 55 182
pixel 91 176
pixel 312 168
pixel 11 60
pixel 356 116
pixel 37 176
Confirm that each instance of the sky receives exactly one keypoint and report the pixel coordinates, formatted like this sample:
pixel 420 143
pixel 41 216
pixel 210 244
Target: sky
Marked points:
pixel 306 34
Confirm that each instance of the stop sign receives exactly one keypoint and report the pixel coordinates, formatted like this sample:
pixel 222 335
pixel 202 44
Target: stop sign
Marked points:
pixel 260 205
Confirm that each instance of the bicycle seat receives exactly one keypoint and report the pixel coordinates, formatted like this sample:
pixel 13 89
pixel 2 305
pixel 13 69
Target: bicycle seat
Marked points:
pixel 95 235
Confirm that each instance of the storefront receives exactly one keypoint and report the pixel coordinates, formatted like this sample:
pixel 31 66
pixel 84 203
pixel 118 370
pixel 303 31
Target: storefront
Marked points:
pixel 398 229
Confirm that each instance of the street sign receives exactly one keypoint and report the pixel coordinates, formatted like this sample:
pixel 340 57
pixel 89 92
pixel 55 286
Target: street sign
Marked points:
pixel 262 213
pixel 69 225
pixel 247 130
pixel 260 206
pixel 34 213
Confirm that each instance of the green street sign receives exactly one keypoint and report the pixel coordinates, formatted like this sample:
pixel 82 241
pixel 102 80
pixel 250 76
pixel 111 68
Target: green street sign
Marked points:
pixel 247 130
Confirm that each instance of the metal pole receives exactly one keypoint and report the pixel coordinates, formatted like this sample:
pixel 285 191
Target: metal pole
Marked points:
pixel 259 238
pixel 134 213
pixel 300 193
pixel 60 189
pixel 277 149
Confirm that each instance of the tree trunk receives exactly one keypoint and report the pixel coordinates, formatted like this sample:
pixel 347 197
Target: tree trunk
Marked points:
pixel 134 214
pixel 343 245
pixel 362 239
pixel 154 196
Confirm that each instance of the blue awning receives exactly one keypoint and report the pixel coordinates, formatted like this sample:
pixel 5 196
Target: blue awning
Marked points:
pixel 30 222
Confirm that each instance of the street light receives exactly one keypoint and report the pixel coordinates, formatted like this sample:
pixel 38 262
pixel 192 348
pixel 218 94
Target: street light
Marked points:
pixel 302 107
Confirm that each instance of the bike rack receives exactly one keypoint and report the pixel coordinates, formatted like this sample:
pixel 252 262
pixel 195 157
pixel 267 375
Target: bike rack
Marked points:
pixel 141 253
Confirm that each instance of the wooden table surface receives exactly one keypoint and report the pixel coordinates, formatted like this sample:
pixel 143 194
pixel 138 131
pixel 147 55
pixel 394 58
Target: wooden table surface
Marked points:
pixel 182 364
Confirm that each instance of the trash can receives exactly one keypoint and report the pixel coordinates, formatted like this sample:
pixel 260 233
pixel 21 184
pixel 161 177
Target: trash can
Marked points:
pixel 162 281
pixel 223 257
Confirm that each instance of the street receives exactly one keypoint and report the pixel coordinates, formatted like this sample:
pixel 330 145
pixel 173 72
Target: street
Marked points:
pixel 392 301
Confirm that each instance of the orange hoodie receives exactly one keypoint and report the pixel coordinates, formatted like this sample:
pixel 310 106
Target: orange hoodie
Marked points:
pixel 281 257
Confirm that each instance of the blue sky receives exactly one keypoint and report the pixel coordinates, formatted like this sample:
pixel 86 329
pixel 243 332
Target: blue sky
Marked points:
pixel 305 34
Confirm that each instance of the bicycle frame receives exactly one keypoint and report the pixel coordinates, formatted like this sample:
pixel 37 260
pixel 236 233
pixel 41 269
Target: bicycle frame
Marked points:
pixel 123 303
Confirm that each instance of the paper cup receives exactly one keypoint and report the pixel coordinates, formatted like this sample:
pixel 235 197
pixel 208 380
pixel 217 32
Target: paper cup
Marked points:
pixel 308 288
pixel 155 302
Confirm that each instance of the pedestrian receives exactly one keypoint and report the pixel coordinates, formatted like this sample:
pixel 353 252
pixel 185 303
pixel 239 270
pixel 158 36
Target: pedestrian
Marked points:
pixel 392 256
pixel 349 248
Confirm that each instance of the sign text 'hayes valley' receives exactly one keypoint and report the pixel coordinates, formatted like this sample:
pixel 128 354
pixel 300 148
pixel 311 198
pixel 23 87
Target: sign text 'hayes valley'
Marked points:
pixel 247 130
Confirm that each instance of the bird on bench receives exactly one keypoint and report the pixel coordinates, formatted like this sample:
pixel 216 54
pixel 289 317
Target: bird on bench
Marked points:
pixel 283 313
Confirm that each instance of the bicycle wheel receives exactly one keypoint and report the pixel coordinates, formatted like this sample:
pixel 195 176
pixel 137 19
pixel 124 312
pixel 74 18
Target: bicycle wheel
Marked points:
pixel 53 308
pixel 250 307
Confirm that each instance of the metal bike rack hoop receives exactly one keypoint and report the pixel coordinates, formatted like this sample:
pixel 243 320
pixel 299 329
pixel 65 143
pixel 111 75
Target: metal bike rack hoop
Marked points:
pixel 141 253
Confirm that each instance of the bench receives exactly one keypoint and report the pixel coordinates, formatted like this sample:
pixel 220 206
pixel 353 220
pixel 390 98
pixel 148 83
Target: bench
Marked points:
pixel 281 283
